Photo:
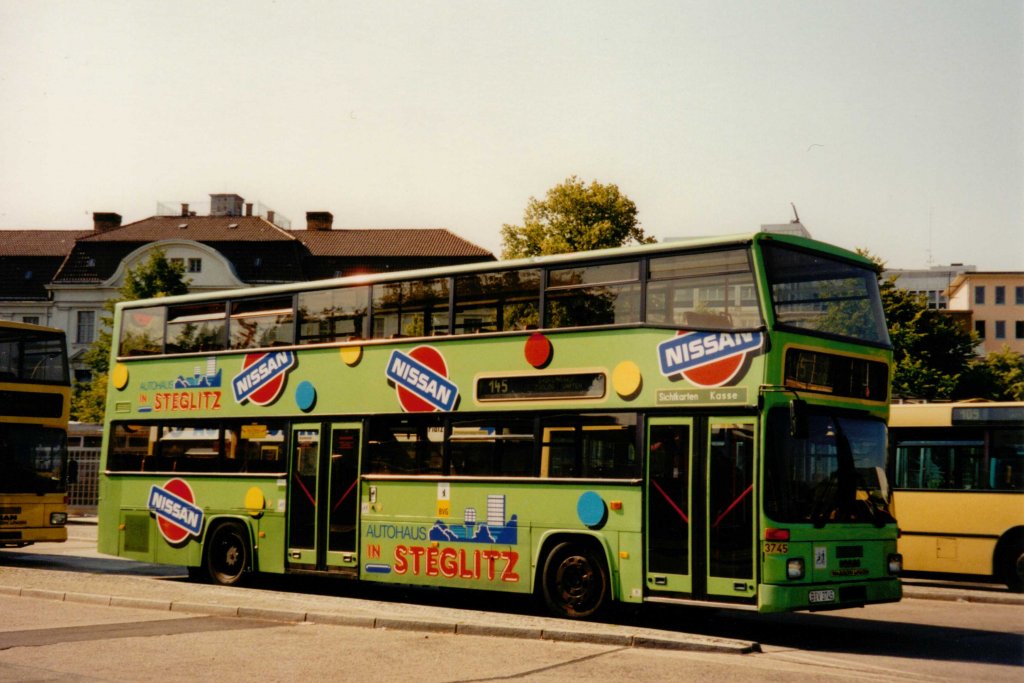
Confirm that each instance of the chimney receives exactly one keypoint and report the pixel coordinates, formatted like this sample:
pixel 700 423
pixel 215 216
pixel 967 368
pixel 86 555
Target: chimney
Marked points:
pixel 248 208
pixel 184 209
pixel 270 216
pixel 101 222
pixel 319 220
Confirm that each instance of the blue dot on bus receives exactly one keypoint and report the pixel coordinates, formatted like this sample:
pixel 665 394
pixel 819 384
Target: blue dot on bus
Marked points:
pixel 591 510
pixel 305 396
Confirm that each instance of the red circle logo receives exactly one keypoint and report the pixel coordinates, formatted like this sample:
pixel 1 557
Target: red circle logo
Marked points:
pixel 432 358
pixel 269 392
pixel 175 533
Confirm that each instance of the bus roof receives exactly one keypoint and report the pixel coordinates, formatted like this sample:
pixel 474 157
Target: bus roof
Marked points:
pixel 938 414
pixel 14 325
pixel 695 243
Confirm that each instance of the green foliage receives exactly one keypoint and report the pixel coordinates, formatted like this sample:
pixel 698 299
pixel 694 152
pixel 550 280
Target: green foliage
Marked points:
pixel 574 217
pixel 998 376
pixel 934 353
pixel 88 399
pixel 156 277
pixel 931 349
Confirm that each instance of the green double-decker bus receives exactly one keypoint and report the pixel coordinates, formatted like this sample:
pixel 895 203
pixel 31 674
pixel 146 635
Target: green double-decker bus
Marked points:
pixel 696 422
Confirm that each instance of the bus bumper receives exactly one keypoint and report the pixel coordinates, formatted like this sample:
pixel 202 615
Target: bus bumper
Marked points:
pixel 814 597
pixel 22 537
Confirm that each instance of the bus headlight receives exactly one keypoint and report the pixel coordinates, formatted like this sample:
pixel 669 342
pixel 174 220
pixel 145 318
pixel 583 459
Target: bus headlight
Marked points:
pixel 795 568
pixel 58 518
pixel 895 564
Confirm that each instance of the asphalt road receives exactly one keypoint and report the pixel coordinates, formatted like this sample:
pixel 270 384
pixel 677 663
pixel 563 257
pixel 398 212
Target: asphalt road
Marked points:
pixel 942 631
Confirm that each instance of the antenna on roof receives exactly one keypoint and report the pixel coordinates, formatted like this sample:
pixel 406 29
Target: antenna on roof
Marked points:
pixel 796 216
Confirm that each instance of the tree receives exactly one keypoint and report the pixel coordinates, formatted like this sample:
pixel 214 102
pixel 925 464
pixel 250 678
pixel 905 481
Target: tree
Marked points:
pixel 998 376
pixel 932 350
pixel 156 277
pixel 574 217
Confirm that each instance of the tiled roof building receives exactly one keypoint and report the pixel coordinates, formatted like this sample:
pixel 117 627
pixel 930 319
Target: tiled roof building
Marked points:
pixel 63 277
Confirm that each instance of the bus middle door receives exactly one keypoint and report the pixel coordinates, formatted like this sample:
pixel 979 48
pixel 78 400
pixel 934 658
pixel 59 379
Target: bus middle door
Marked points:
pixel 343 496
pixel 323 497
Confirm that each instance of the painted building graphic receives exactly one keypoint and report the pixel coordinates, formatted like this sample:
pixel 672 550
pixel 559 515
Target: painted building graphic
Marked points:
pixel 201 379
pixel 495 530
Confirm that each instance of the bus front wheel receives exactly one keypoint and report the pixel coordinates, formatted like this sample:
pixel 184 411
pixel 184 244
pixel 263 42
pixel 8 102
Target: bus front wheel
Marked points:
pixel 574 581
pixel 227 554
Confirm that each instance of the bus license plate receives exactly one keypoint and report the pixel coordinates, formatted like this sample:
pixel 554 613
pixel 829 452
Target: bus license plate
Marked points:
pixel 821 596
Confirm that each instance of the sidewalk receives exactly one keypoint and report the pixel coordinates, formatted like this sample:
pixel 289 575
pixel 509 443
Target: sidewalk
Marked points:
pixel 915 588
pixel 173 593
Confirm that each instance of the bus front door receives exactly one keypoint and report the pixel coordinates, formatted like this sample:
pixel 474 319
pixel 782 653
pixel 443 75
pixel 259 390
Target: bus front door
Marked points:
pixel 669 532
pixel 731 507
pixel 322 496
pixel 700 508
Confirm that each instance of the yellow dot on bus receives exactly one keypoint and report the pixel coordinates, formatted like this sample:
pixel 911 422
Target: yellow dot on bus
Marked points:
pixel 351 355
pixel 254 501
pixel 120 376
pixel 626 379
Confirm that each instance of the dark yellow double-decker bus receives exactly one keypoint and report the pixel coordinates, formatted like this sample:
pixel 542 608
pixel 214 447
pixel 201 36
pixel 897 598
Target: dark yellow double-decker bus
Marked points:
pixel 700 422
pixel 34 406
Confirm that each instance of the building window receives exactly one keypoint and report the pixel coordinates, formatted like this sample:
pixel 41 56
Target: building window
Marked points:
pixel 30 319
pixel 1000 294
pixel 86 331
pixel 1018 295
pixel 176 261
pixel 1000 329
pixel 979 294
pixel 979 327
pixel 195 265
pixel 1019 329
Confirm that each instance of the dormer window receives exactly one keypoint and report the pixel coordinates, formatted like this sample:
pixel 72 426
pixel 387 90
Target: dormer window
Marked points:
pixel 28 274
pixel 195 265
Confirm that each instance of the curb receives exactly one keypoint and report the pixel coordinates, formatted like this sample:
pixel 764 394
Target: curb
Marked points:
pixel 667 642
pixel 961 596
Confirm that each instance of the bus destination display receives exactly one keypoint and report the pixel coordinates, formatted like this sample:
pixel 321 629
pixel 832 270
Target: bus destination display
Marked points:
pixel 540 387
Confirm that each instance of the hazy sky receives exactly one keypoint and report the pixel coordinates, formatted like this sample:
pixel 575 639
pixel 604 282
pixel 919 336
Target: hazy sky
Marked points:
pixel 894 126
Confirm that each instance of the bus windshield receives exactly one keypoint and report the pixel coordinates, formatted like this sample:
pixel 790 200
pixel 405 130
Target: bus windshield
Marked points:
pixel 32 459
pixel 835 473
pixel 30 356
pixel 817 293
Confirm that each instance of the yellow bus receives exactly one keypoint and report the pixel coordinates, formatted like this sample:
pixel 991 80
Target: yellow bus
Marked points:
pixel 959 488
pixel 35 399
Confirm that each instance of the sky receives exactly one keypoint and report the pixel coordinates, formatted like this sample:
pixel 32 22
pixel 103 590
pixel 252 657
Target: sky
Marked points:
pixel 895 126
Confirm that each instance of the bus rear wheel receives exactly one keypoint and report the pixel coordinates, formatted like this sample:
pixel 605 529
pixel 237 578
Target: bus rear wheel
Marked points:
pixel 1012 568
pixel 574 581
pixel 227 554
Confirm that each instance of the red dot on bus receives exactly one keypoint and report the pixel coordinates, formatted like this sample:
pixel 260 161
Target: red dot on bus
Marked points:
pixel 538 350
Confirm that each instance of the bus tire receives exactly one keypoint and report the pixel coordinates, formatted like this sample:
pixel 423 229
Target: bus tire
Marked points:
pixel 575 581
pixel 227 554
pixel 1009 561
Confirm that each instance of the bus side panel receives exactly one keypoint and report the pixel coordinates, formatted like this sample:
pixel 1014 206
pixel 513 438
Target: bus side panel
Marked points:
pixel 954 531
pixel 487 534
pixel 138 534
